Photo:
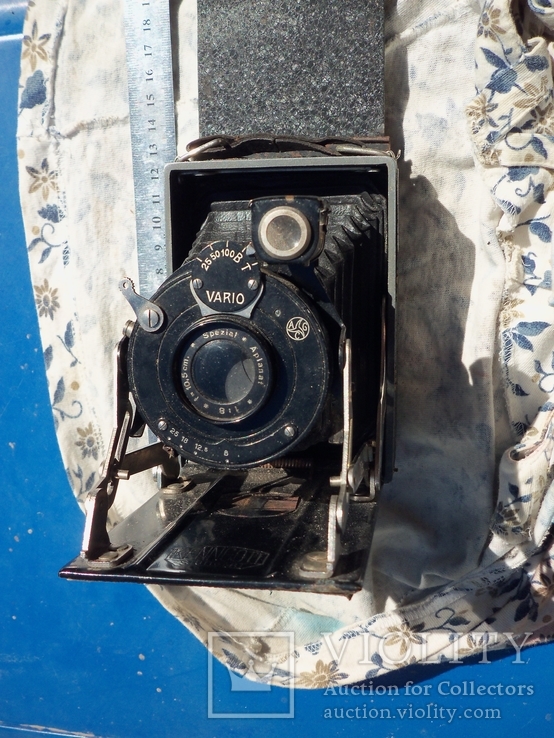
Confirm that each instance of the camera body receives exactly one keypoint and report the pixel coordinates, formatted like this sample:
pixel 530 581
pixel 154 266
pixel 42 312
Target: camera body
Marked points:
pixel 264 365
pixel 277 266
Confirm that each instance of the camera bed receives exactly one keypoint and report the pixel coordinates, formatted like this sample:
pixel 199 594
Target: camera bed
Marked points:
pixel 222 532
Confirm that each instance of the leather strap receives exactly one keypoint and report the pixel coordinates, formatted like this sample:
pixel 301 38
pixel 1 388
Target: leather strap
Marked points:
pixel 232 147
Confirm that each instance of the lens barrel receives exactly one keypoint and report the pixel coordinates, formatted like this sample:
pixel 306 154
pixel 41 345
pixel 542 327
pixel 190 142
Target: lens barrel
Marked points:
pixel 227 390
pixel 225 372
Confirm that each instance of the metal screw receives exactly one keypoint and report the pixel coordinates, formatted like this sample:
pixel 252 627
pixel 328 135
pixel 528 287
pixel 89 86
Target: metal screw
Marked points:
pixel 197 283
pixel 252 284
pixel 151 317
pixel 162 425
pixel 314 561
pixel 173 490
pixel 290 431
pixel 314 565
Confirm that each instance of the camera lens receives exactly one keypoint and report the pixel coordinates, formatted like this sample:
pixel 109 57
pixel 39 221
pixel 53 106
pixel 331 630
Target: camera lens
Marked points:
pixel 225 373
pixel 233 391
pixel 284 232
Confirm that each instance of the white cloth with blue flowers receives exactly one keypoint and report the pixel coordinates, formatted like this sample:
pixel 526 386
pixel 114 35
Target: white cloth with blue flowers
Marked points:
pixel 462 553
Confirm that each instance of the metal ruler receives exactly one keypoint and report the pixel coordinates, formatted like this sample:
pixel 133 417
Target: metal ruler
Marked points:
pixel 152 119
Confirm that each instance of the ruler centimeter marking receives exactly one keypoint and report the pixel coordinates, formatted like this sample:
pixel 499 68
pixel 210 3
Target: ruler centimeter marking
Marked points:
pixel 152 119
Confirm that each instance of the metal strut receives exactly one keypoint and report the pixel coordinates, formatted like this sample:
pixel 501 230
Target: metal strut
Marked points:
pixel 96 547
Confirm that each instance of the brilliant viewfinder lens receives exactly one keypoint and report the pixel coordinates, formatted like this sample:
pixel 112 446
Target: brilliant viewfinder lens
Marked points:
pixel 284 232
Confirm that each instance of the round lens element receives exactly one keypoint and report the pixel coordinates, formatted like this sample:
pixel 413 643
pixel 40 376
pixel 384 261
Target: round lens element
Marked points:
pixel 225 373
pixel 284 232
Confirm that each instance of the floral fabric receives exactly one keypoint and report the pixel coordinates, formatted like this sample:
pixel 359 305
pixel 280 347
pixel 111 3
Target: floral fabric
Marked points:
pixel 462 559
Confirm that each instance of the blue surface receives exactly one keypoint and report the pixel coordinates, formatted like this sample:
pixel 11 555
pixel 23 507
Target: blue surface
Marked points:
pixel 12 13
pixel 106 659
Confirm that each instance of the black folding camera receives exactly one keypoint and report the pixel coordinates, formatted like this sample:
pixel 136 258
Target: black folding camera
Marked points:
pixel 264 365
